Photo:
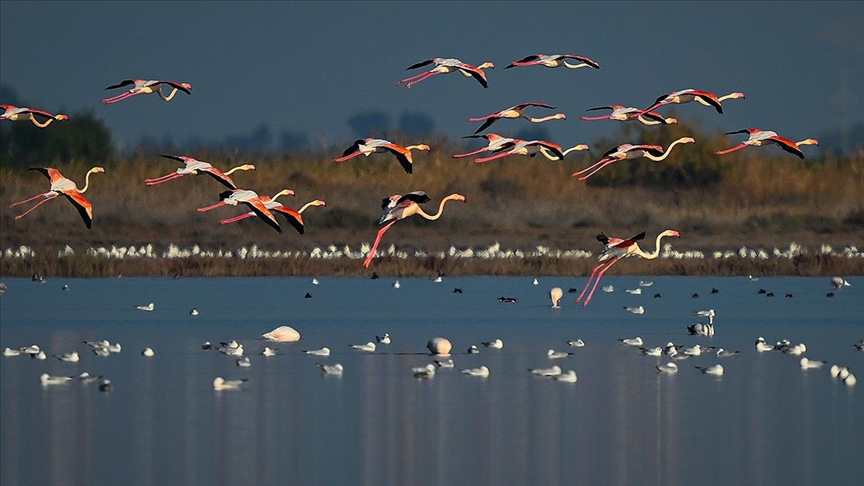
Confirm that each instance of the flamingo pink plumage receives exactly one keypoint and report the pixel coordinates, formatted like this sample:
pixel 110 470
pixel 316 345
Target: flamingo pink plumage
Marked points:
pixel 516 112
pixel 143 86
pixel 494 140
pixel 688 95
pixel 194 167
pixel 524 147
pixel 554 61
pixel 294 217
pixel 625 113
pixel 758 138
pixel 628 151
pixel 398 207
pixel 369 146
pixel 250 199
pixel 61 186
pixel 14 113
pixel 445 66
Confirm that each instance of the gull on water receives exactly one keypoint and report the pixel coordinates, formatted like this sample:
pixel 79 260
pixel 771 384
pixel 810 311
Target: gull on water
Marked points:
pixel 762 346
pixel 473 350
pixel 445 363
pixel 643 283
pixel 149 307
pixel 482 372
pixel 244 362
pixel 633 291
pixel 715 370
pixel 536 282
pixel 553 371
pixel 70 357
pixel 193 312
pixel 268 351
pixel 637 341
pixel 576 344
pixel 568 377
pixel 809 364
pixel 220 384
pixel 839 283
pixel 552 354
pixel 148 352
pixel 695 350
pixel 334 370
pixel 607 289
pixel 11 352
pixel 385 339
pixel 669 368
pixel 41 356
pixel 87 378
pixel 47 379
pixel 325 351
pixel 635 310
pixel 656 352
pixel 496 344
pixel 368 347
pixel 670 349
pixel 397 285
pixel 232 348
pixel 32 349
pixel 722 353
pixel 427 371
pixel 114 348
pixel 314 281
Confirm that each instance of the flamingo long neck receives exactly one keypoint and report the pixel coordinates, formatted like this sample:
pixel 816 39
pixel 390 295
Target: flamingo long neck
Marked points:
pixel 167 98
pixel 437 215
pixel 87 180
pixel 808 141
pixel 666 153
pixel 416 147
pixel 728 97
pixel 235 169
pixel 309 204
pixel 41 125
pixel 575 66
pixel 649 256
pixel 545 118
pixel 575 148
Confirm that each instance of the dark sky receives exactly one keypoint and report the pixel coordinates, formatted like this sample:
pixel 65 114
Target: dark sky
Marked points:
pixel 310 66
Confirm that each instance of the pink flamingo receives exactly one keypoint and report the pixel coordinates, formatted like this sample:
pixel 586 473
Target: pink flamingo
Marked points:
pixel 758 138
pixel 61 186
pixel 495 142
pixel 628 151
pixel 398 207
pixel 625 113
pixel 250 199
pixel 142 86
pixel 516 112
pixel 14 113
pixel 369 146
pixel 615 249
pixel 524 147
pixel 688 95
pixel 293 216
pixel 194 167
pixel 554 61
pixel 445 66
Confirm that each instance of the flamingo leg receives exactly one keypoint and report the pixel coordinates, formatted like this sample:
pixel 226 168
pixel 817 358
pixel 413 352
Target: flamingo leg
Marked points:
pixel 115 99
pixel 588 284
pixel 37 196
pixel 160 180
pixel 608 162
pixel 47 198
pixel 491 157
pixel 596 282
pixel 375 245
pixel 237 218
pixel 589 118
pixel 412 78
pixel 208 208
pixel 592 167
pixel 650 108
pixel 349 156
pixel 737 147
pixel 423 77
pixel 469 154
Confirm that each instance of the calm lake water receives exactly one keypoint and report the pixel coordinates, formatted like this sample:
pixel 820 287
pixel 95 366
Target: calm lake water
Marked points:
pixel 766 421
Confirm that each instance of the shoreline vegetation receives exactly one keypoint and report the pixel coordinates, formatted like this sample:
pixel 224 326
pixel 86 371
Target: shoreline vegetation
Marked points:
pixel 806 216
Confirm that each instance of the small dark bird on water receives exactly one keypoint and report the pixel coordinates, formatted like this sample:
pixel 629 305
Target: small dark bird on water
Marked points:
pixel 762 291
pixel 307 296
pixel 769 294
pixel 695 296
pixel 657 296
pixel 457 290
pixel 572 290
pixel 374 276
pixel 829 294
pixel 507 300
pixel 715 290
pixel 788 296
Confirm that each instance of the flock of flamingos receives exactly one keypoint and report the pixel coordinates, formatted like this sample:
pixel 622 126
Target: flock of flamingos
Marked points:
pixel 401 206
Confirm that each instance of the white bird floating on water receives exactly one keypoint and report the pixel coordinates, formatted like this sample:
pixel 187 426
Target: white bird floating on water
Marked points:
pixel 553 371
pixel 635 310
pixel 608 289
pixel 232 348
pixel 69 357
pixel 655 352
pixel 149 307
pixel 445 363
pixel 496 344
pixel 668 368
pixel 268 351
pixel 368 347
pixel 633 291
pixel 11 352
pixel 576 344
pixel 244 362
pixel 41 356
pixel 839 283
pixel 148 352
pixel 314 281
pixel 643 283
pixel 385 339
pixel 193 312
pixel 637 341
pixel 325 351
pixel 220 384
pixel 536 282
pixel 473 350
pixel 722 353
pixel 397 285
pixel 810 364
pixel 334 370
pixel 47 379
pixel 482 372
pixel 552 354
pixel 568 377
pixel 284 334
pixel 716 370
pixel 87 378
pixel 555 294
pixel 695 350
pixel 427 371
pixel 762 346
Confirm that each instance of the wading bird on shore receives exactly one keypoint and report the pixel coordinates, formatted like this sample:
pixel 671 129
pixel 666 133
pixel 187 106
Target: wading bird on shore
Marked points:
pixel 249 198
pixel 369 146
pixel 516 112
pixel 195 167
pixel 14 113
pixel 524 147
pixel 624 113
pixel 758 138
pixel 616 249
pixel 61 186
pixel 293 217
pixel 399 207
pixel 628 151
pixel 688 95
pixel 554 61
pixel 445 66
pixel 143 86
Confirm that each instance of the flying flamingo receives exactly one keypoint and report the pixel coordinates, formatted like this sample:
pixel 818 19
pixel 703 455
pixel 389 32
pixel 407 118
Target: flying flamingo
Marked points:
pixel 616 249
pixel 495 142
pixel 194 167
pixel 554 61
pixel 249 198
pixel 445 66
pixel 14 113
pixel 516 112
pixel 368 146
pixel 759 138
pixel 552 156
pixel 398 207
pixel 628 151
pixel 61 186
pixel 524 147
pixel 293 216
pixel 625 113
pixel 142 86
pixel 688 95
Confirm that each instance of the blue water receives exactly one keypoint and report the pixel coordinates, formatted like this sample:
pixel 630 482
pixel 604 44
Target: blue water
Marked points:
pixel 764 422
